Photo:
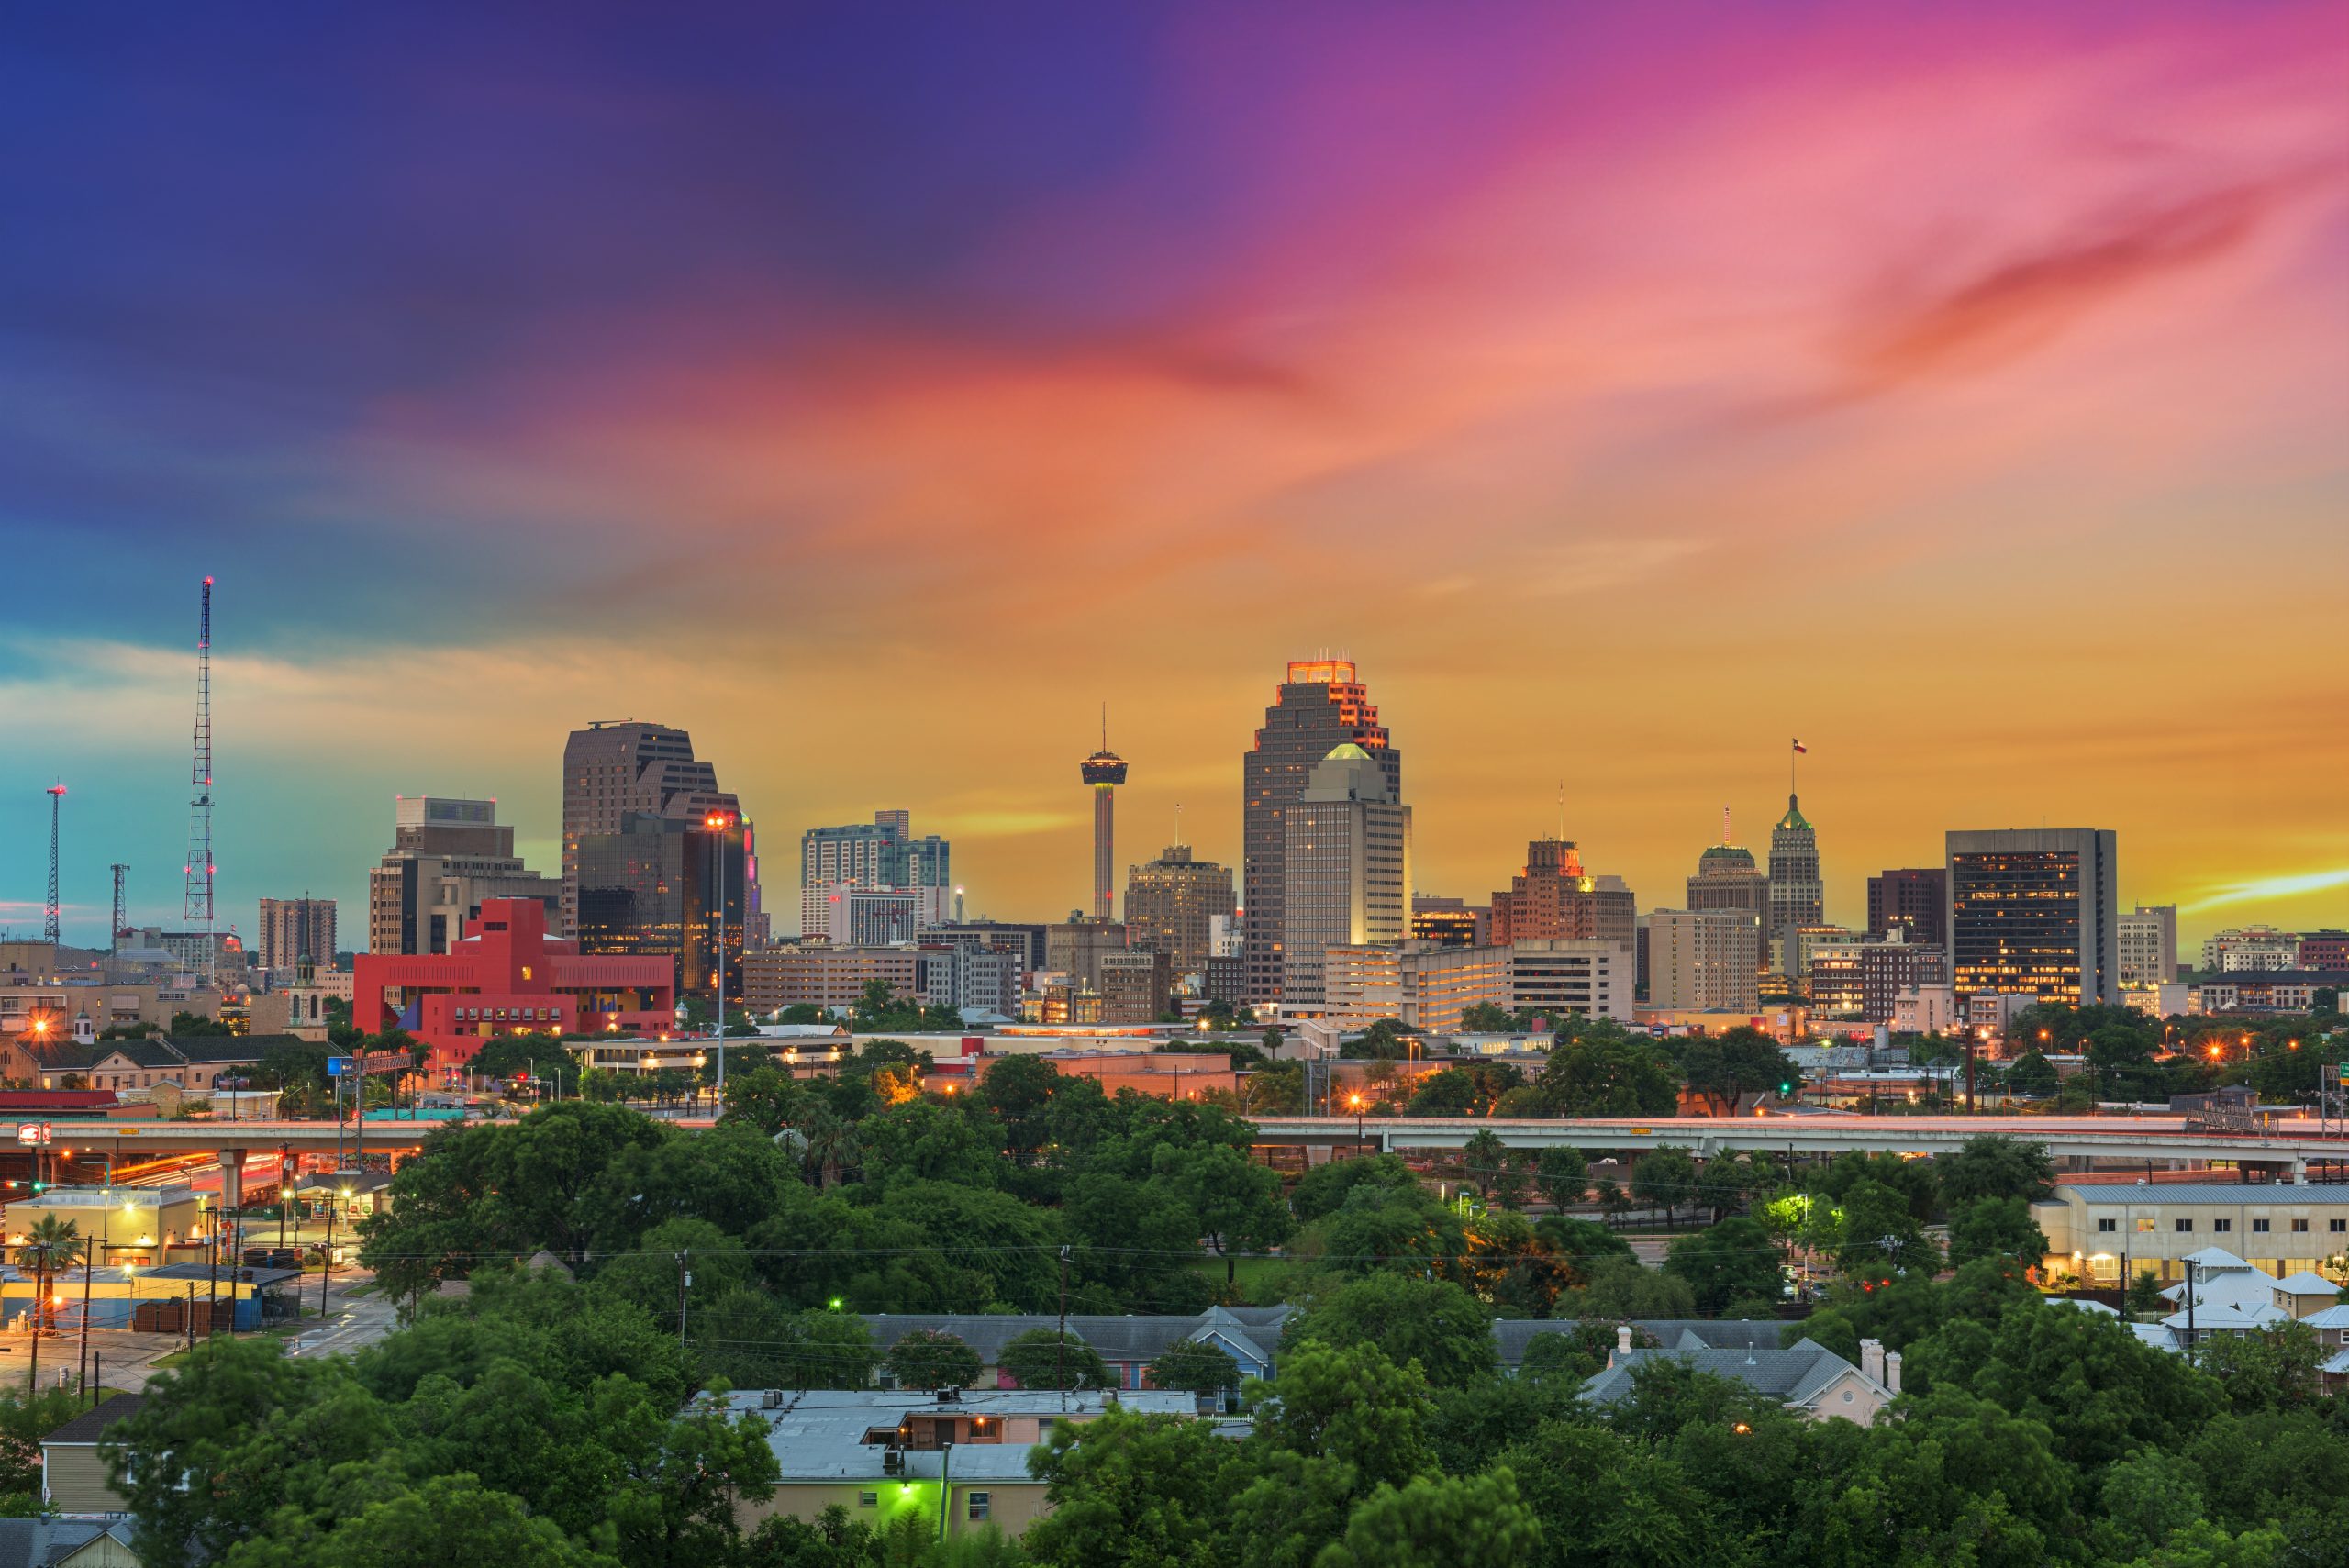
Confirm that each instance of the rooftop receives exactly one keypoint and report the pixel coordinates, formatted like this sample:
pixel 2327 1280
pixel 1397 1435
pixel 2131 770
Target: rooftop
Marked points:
pixel 819 1434
pixel 1792 1376
pixel 87 1427
pixel 2212 1192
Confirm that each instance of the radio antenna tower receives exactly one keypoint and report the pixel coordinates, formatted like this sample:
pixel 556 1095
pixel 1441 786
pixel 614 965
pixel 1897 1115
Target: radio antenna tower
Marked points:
pixel 197 909
pixel 113 931
pixel 49 910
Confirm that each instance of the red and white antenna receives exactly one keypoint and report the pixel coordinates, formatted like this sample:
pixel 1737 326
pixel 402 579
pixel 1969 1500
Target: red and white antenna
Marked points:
pixel 197 907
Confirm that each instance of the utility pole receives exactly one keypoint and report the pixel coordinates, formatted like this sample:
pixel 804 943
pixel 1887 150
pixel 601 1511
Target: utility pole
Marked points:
pixel 2190 1346
pixel 1060 1346
pixel 685 1282
pixel 1969 1077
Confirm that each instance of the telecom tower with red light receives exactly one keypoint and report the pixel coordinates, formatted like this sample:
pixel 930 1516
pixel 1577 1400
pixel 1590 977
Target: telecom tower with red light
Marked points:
pixel 196 908
pixel 49 910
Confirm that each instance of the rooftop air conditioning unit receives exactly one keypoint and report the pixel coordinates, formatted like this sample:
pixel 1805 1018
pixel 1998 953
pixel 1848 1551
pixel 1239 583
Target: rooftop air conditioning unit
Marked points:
pixel 771 1400
pixel 892 1462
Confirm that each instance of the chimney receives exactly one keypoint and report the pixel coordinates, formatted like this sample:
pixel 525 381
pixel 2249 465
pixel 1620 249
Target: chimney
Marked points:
pixel 1872 1358
pixel 1892 1372
pixel 1622 1338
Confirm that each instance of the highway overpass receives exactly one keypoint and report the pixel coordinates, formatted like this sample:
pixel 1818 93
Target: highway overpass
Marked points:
pixel 2122 1138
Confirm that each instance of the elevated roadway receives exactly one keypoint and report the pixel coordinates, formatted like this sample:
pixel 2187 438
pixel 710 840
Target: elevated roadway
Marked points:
pixel 2137 1137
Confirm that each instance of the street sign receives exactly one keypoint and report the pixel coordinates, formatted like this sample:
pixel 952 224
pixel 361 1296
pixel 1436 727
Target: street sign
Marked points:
pixel 33 1134
pixel 341 1067
pixel 2344 1074
pixel 387 1061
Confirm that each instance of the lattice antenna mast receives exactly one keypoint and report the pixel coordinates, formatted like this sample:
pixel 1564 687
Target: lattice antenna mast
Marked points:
pixel 196 908
pixel 113 931
pixel 49 910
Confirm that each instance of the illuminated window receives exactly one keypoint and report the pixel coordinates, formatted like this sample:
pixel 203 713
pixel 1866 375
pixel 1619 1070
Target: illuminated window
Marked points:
pixel 980 1503
pixel 868 1499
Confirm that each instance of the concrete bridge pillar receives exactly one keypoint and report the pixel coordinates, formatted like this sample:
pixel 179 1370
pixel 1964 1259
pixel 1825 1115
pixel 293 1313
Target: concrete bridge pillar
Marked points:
pixel 2300 1171
pixel 232 1178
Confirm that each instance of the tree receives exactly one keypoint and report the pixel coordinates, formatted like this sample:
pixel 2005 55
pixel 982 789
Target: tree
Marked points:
pixel 1623 1288
pixel 1874 1232
pixel 1132 1491
pixel 1609 1073
pixel 1561 1175
pixel 1197 1365
pixel 1324 1189
pixel 1993 1166
pixel 1481 1158
pixel 2267 1369
pixel 2144 1292
pixel 1734 1259
pixel 1438 1522
pixel 1018 1090
pixel 766 1097
pixel 1432 1322
pixel 1996 1227
pixel 1041 1358
pixel 1484 1017
pixel 1722 1068
pixel 1663 1178
pixel 2032 1075
pixel 931 1358
pixel 1578 1351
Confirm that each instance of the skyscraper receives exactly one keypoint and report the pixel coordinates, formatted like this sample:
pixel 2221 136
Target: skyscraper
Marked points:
pixel 448 857
pixel 1321 704
pixel 1104 772
pixel 293 929
pixel 613 769
pixel 882 853
pixel 1170 903
pixel 655 886
pixel 1914 898
pixel 1727 878
pixel 1347 870
pixel 1798 897
pixel 1554 899
pixel 2035 912
pixel 1701 958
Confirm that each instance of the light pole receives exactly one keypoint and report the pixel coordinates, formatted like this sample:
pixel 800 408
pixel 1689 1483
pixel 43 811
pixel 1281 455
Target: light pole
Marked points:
pixel 1355 1101
pixel 717 822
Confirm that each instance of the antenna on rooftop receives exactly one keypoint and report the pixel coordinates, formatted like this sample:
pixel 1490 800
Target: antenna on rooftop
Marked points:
pixel 196 908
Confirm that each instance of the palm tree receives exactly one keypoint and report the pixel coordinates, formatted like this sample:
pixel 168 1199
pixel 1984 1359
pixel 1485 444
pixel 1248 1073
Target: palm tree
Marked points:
pixel 50 1248
pixel 831 1143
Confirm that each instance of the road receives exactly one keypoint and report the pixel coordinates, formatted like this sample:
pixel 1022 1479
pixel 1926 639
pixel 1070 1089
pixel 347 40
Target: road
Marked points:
pixel 352 1323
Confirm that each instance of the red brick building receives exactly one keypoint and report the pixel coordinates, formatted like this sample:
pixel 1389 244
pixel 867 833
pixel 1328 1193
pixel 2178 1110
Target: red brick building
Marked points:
pixel 507 976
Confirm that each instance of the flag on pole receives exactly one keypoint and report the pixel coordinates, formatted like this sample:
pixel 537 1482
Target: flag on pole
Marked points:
pixel 1803 749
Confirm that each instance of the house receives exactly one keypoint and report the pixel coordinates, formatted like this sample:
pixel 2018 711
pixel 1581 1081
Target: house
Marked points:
pixel 1249 1335
pixel 188 1063
pixel 2305 1293
pixel 1513 1336
pixel 955 1459
pixel 72 1476
pixel 2332 1330
pixel 66 1543
pixel 2229 1297
pixel 1807 1378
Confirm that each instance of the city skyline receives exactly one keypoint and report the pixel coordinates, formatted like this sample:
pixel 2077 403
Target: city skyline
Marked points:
pixel 502 392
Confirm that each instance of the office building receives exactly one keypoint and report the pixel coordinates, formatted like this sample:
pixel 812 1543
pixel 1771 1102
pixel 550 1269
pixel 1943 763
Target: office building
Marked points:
pixel 1554 899
pixel 1171 904
pixel 2250 948
pixel 449 857
pixel 1076 947
pixel 2147 937
pixel 789 976
pixel 1137 986
pixel 1912 899
pixel 1555 977
pixel 2319 949
pixel 2035 912
pixel 1024 939
pixel 1348 873
pixel 1424 987
pixel 506 975
pixel 667 886
pixel 1227 935
pixel 990 980
pixel 1103 772
pixel 292 929
pixel 1727 878
pixel 879 855
pixel 1928 1009
pixel 612 771
pixel 1701 959
pixel 1797 897
pixel 1892 968
pixel 1321 704
pixel 1449 922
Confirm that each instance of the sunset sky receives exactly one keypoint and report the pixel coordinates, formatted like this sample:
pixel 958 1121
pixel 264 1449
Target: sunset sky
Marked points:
pixel 875 390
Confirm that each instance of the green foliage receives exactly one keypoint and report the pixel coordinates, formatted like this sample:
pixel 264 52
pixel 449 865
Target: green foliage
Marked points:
pixel 1663 1178
pixel 1196 1365
pixel 1722 1068
pixel 1623 1287
pixel 2033 1075
pixel 1602 1070
pixel 1561 1175
pixel 929 1358
pixel 1733 1260
pixel 1432 1323
pixel 1439 1521
pixel 1041 1358
pixel 1996 1227
pixel 1990 1166
pixel 1130 1491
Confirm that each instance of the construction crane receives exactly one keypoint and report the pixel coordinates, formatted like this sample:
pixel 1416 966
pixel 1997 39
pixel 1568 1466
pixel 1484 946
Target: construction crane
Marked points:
pixel 49 911
pixel 196 909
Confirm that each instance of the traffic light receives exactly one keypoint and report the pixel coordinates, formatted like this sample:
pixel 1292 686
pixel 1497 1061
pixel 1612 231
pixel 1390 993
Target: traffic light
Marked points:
pixel 1785 1088
pixel 39 1187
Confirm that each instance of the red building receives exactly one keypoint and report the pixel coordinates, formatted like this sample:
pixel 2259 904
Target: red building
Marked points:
pixel 506 975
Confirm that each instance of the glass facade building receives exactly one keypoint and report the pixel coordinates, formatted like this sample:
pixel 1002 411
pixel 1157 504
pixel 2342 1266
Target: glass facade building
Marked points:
pixel 2032 913
pixel 653 887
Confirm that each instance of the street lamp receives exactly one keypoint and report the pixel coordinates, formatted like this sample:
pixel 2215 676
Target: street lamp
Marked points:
pixel 1355 1101
pixel 717 822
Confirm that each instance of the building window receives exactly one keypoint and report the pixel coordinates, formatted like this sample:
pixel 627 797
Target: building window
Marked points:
pixel 868 1499
pixel 2220 1225
pixel 2108 1225
pixel 980 1504
pixel 2184 1226
pixel 2259 1227
pixel 2299 1227
pixel 2337 1226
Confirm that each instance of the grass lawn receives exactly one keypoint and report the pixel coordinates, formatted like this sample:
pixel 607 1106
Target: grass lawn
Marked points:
pixel 1258 1278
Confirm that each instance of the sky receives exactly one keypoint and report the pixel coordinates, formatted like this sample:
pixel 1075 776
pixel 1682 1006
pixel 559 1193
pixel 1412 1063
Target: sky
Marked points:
pixel 876 389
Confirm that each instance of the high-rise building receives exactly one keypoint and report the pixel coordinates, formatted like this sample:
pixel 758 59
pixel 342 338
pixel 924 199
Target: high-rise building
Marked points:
pixel 1798 897
pixel 1701 958
pixel 1103 772
pixel 1893 967
pixel 657 886
pixel 615 770
pixel 1582 977
pixel 1553 898
pixel 1348 868
pixel 1321 704
pixel 861 854
pixel 2319 950
pixel 1136 986
pixel 2034 912
pixel 1449 922
pixel 1727 879
pixel 1171 903
pixel 292 929
pixel 2250 948
pixel 448 857
pixel 1077 946
pixel 825 976
pixel 2148 942
pixel 1913 899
